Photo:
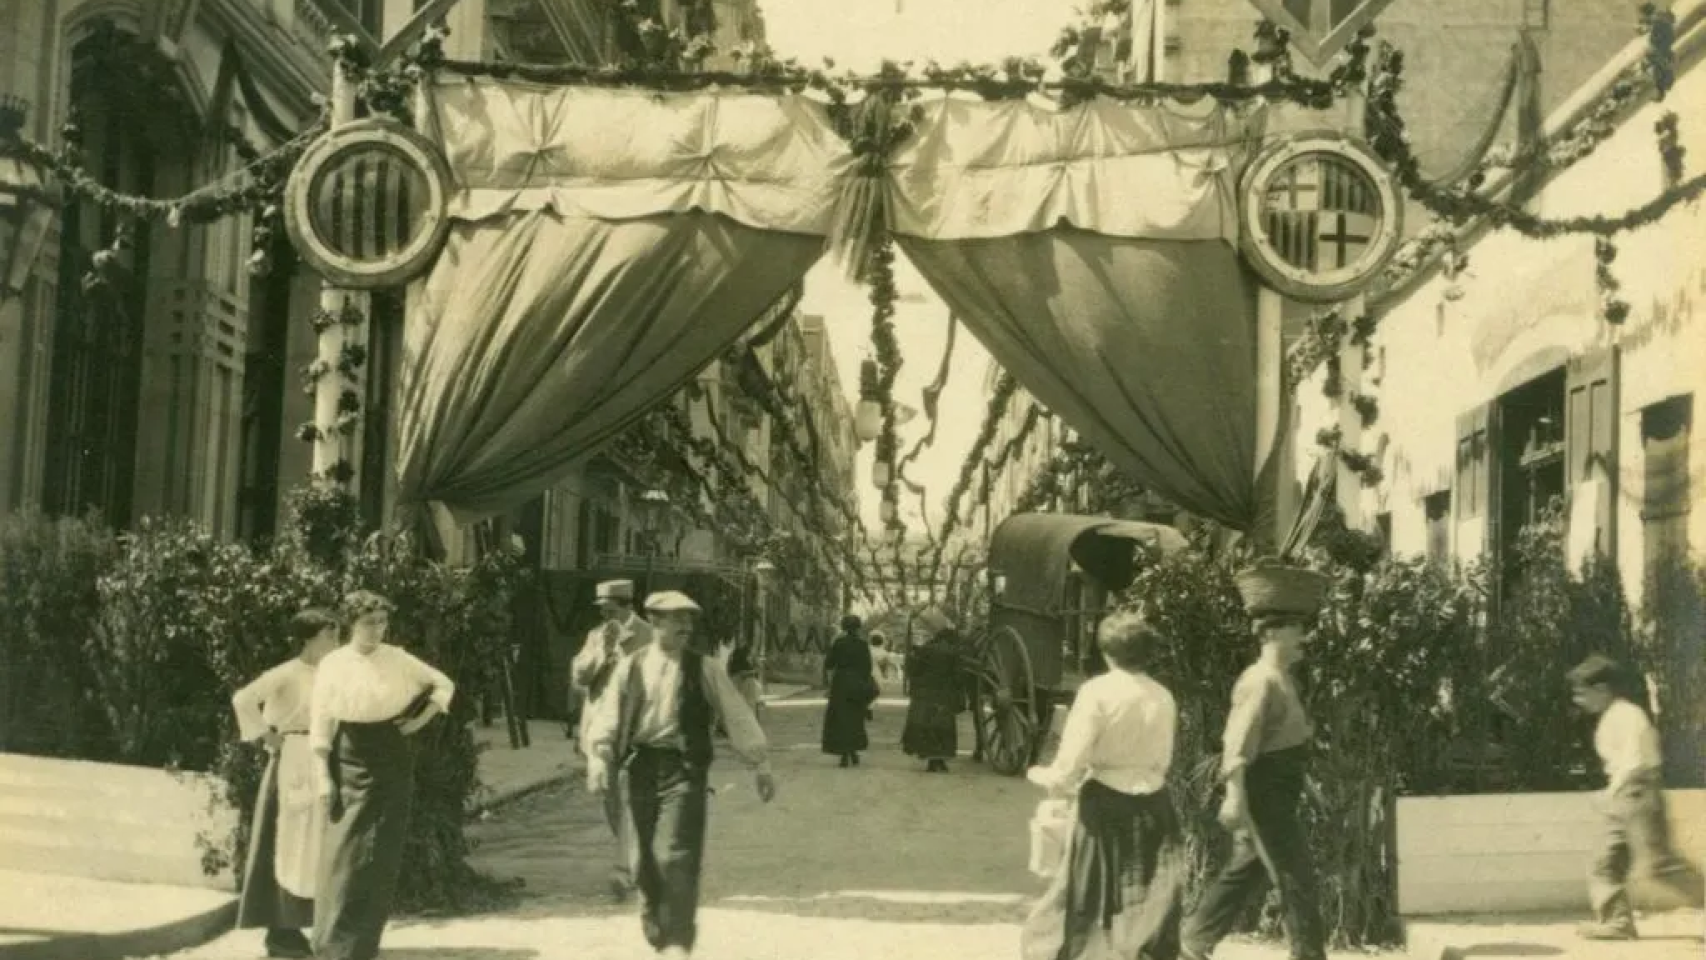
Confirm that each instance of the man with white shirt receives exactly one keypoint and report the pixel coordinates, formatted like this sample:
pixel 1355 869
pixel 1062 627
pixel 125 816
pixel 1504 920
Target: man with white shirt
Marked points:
pixel 621 633
pixel 1637 826
pixel 649 741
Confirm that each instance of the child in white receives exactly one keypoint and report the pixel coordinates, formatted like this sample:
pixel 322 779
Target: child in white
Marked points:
pixel 1637 828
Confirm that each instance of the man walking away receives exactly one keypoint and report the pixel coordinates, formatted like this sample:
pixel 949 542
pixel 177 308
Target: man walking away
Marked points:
pixel 621 633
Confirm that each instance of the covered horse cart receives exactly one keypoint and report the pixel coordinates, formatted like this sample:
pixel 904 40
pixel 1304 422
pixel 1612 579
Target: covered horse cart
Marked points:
pixel 1052 576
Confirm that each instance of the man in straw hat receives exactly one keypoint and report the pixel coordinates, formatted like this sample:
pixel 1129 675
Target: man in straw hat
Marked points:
pixel 1263 763
pixel 621 633
pixel 650 740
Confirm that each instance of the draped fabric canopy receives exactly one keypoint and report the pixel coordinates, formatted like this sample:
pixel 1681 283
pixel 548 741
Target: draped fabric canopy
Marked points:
pixel 609 244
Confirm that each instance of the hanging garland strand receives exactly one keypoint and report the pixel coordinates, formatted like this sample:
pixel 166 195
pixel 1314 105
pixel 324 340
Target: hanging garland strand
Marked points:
pixel 1006 387
pixel 1457 207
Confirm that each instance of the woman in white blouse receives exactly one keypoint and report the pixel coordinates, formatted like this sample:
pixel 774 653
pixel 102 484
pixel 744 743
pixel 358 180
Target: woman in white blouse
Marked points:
pixel 1117 892
pixel 285 834
pixel 369 697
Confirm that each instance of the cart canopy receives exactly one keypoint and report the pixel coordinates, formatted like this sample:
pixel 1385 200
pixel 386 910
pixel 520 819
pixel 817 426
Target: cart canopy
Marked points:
pixel 1034 552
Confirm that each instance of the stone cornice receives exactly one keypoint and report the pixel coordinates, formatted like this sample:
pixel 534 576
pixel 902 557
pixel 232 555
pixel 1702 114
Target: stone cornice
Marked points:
pixel 278 61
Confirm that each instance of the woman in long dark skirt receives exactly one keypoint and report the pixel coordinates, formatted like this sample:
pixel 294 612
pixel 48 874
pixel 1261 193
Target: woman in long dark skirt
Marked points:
pixel 288 825
pixel 937 694
pixel 852 689
pixel 1117 894
pixel 369 698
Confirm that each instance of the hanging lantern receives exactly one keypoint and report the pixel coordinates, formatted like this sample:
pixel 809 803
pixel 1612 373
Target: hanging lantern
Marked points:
pixel 888 511
pixel 881 474
pixel 867 420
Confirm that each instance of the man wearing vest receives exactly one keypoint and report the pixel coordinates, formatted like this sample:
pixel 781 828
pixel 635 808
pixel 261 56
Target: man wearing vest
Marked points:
pixel 621 633
pixel 650 741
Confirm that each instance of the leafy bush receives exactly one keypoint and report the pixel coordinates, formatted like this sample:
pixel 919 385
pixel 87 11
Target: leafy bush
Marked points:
pixel 141 640
pixel 48 602
pixel 1673 641
pixel 1397 683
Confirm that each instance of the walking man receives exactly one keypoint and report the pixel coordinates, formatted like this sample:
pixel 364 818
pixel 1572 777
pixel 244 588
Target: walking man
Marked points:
pixel 1637 826
pixel 621 633
pixel 1264 760
pixel 650 741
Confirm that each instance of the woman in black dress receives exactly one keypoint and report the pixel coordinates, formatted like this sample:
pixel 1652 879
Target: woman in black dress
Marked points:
pixel 852 690
pixel 937 693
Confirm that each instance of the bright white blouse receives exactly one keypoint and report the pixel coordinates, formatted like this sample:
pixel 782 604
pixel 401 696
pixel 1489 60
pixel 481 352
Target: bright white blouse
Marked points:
pixel 355 688
pixel 1626 743
pixel 1119 732
pixel 279 699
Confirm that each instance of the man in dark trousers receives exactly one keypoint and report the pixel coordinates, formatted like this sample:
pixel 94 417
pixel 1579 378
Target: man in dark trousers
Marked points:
pixel 649 739
pixel 620 634
pixel 1264 761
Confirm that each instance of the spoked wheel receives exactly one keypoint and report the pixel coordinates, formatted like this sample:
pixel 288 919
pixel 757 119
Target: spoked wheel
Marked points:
pixel 1006 702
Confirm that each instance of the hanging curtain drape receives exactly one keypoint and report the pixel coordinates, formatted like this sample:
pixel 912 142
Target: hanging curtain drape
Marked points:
pixel 1092 251
pixel 607 246
pixel 1145 347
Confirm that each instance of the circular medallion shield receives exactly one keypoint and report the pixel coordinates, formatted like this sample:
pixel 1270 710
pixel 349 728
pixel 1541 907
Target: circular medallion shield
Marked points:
pixel 366 205
pixel 1320 217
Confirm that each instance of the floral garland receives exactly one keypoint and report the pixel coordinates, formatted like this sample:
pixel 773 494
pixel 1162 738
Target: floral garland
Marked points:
pixel 1006 388
pixel 1457 207
pixel 385 91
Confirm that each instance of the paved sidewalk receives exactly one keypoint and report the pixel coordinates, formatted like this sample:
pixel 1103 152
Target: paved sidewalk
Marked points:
pixel 1674 935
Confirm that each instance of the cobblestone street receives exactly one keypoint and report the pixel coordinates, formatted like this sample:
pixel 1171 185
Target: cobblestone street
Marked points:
pixel 882 861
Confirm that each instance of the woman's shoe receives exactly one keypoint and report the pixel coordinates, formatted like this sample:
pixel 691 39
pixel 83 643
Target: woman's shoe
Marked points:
pixel 288 943
pixel 845 762
pixel 855 759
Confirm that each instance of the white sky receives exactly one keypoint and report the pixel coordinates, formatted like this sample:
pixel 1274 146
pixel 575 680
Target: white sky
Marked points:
pixel 859 35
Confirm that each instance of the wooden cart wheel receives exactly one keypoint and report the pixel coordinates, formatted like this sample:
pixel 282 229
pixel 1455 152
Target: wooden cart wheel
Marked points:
pixel 1007 702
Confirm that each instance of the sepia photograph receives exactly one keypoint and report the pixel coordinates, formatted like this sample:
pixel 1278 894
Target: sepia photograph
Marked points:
pixel 852 479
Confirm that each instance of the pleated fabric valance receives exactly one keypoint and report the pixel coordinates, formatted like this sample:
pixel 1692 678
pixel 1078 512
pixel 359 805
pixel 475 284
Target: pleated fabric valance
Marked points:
pixel 609 244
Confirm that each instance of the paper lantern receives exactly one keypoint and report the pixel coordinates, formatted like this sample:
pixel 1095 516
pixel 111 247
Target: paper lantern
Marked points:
pixel 868 420
pixel 881 474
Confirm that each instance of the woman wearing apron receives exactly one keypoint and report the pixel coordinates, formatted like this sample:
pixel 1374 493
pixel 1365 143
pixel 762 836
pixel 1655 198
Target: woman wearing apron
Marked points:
pixel 285 834
pixel 369 697
pixel 1116 893
pixel 1264 761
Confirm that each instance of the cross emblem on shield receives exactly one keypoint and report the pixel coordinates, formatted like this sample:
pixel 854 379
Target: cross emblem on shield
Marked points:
pixel 1321 28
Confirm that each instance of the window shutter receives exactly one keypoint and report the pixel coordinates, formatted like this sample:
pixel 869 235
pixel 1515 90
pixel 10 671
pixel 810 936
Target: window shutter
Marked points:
pixel 1475 496
pixel 1665 428
pixel 1590 437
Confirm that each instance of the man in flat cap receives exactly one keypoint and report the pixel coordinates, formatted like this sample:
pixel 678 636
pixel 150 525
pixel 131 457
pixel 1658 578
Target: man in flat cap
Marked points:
pixel 650 741
pixel 621 633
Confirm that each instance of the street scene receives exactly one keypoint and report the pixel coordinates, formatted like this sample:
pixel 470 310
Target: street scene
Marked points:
pixel 743 479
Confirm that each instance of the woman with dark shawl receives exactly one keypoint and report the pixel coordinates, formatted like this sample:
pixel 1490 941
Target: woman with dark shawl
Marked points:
pixel 937 693
pixel 369 698
pixel 852 690
pixel 1117 891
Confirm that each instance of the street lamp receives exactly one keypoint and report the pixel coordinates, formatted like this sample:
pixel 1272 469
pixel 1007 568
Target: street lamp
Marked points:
pixel 764 571
pixel 26 202
pixel 654 504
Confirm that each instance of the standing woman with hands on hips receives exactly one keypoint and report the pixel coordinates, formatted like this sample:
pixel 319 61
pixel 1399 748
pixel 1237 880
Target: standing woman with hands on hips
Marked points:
pixel 369 698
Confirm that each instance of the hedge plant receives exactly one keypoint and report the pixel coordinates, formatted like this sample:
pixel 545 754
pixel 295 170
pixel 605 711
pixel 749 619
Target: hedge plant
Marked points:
pixel 142 638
